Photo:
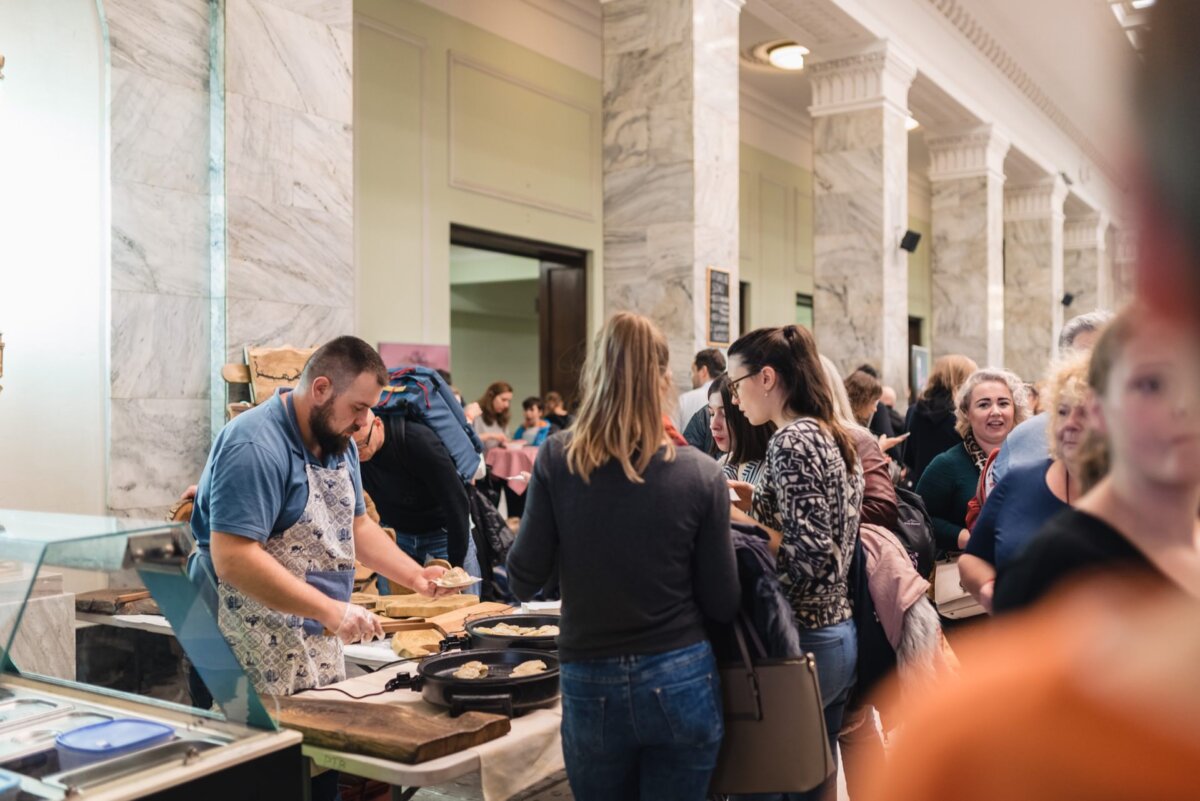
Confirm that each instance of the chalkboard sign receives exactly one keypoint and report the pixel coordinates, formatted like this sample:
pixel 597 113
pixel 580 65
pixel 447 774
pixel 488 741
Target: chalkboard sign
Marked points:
pixel 718 307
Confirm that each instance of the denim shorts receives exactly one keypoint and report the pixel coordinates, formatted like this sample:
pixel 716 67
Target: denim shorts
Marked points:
pixel 645 727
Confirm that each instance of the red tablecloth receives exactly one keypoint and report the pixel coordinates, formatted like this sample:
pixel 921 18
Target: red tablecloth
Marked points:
pixel 509 464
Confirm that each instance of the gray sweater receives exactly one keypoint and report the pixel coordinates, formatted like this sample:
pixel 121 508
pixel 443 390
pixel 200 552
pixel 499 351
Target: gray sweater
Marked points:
pixel 640 566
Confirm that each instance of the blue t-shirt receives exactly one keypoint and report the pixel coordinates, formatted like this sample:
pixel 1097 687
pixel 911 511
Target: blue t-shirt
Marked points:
pixel 1015 511
pixel 1025 445
pixel 254 484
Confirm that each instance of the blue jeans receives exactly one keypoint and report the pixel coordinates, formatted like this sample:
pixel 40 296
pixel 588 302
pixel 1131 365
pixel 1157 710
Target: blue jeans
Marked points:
pixel 644 727
pixel 836 650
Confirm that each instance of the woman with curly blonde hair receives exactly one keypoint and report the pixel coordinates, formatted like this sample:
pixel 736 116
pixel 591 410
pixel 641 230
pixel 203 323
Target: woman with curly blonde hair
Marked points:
pixel 988 404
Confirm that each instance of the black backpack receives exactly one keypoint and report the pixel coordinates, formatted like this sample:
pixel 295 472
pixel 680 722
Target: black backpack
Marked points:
pixel 914 529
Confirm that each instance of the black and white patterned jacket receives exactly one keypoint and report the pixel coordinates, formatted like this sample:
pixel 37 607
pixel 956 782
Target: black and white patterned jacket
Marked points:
pixel 809 495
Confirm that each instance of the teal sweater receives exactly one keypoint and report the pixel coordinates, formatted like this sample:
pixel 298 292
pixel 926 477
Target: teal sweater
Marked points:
pixel 947 486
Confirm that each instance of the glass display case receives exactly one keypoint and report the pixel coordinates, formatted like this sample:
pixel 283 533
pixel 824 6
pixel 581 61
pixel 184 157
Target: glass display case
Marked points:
pixel 60 737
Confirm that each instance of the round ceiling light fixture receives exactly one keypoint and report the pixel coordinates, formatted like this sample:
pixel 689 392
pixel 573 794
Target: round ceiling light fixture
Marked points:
pixel 777 54
pixel 910 123
pixel 787 56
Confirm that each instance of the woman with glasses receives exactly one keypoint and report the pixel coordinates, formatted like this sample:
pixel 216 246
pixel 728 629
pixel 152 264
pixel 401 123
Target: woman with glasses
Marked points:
pixel 637 532
pixel 809 498
pixel 742 447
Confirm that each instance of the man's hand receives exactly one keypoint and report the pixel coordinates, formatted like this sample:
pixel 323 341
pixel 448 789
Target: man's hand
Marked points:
pixel 355 625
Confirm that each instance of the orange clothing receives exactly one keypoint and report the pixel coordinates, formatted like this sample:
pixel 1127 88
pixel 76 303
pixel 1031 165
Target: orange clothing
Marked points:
pixel 1091 696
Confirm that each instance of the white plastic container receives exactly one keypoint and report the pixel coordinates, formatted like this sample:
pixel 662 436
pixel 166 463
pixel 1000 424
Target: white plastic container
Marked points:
pixel 112 738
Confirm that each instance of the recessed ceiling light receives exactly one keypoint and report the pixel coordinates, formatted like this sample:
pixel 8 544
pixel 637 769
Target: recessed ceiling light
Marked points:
pixel 787 56
pixel 1140 4
pixel 910 123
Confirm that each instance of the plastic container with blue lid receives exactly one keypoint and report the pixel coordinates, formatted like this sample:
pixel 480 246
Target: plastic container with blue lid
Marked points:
pixel 112 738
pixel 10 786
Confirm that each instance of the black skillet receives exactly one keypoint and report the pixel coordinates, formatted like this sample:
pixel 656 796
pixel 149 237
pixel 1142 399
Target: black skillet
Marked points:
pixel 497 692
pixel 475 639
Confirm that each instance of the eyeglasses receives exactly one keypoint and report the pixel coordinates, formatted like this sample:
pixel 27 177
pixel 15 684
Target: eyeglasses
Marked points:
pixel 733 385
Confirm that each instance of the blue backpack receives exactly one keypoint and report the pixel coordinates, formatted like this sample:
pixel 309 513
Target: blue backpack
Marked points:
pixel 419 393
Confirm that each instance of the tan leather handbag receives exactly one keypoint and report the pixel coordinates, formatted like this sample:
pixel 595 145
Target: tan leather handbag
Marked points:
pixel 775 740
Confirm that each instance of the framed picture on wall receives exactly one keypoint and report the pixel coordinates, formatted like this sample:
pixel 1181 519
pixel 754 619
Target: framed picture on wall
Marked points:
pixel 719 324
pixel 920 362
pixel 404 354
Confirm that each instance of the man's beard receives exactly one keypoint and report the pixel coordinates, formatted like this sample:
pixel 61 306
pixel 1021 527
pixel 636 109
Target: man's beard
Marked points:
pixel 331 442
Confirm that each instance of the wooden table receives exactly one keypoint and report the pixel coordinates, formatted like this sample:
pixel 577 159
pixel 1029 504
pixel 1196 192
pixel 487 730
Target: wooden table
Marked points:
pixel 518 760
pixel 512 465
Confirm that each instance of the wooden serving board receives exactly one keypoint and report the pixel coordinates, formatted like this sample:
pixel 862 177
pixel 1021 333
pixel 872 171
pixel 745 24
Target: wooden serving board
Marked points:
pixel 455 622
pixel 110 601
pixel 401 732
pixel 272 368
pixel 423 606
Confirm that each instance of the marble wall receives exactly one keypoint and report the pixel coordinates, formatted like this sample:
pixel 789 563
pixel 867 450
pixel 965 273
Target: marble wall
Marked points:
pixel 1085 262
pixel 159 117
pixel 670 139
pixel 289 164
pixel 1033 265
pixel 967 182
pixel 860 185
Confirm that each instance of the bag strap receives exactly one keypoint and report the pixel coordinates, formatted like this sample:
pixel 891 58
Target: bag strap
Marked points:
pixel 751 676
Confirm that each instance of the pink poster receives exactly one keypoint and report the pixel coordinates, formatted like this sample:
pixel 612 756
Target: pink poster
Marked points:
pixel 404 354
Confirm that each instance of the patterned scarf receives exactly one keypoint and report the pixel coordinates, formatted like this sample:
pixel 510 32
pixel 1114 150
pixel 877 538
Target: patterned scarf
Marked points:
pixel 975 451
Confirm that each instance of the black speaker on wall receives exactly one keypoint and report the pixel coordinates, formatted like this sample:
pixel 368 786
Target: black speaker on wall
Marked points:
pixel 909 241
pixel 1068 299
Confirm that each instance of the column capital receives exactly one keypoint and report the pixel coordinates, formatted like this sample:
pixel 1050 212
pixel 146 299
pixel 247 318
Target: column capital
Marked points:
pixel 872 77
pixel 1035 201
pixel 1086 232
pixel 972 153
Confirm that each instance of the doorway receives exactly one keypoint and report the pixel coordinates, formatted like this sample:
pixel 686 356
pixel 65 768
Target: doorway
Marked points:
pixel 518 313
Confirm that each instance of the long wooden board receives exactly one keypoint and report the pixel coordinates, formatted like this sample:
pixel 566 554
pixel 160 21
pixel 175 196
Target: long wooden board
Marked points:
pixel 401 732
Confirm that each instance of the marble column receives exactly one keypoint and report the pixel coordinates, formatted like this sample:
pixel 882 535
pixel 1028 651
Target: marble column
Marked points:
pixel 159 430
pixel 1084 260
pixel 289 172
pixel 966 178
pixel 860 209
pixel 670 163
pixel 1123 263
pixel 1033 275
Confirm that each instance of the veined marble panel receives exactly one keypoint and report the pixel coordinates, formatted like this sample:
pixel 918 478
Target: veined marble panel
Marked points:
pixel 159 346
pixel 280 56
pixel 649 195
pixel 673 134
pixel 626 139
pixel 860 279
pixel 626 26
pixel 1081 278
pixel 288 254
pixel 165 39
pixel 967 268
pixel 276 155
pixel 647 78
pixel 269 323
pixel 159 132
pixel 45 643
pixel 1033 312
pixel 160 240
pixel 158 448
pixel 334 13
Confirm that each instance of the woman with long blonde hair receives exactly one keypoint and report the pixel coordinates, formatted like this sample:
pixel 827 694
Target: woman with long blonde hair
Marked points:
pixel 637 533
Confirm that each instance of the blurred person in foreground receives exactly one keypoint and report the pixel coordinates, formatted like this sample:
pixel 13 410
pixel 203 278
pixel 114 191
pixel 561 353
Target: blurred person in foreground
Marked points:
pixel 1092 695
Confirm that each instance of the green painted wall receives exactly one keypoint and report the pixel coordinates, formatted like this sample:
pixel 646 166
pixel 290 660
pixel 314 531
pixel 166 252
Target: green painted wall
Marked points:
pixel 776 244
pixel 920 278
pixel 455 125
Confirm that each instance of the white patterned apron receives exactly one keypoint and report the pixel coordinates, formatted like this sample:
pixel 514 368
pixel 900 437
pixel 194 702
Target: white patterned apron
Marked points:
pixel 284 654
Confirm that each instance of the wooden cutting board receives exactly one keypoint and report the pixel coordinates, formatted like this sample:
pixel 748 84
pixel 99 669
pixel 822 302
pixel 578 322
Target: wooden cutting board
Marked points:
pixel 110 601
pixel 272 368
pixel 422 606
pixel 401 732
pixel 455 622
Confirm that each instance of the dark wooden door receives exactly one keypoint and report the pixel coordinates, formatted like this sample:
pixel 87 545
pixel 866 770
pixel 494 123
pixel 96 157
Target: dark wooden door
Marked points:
pixel 562 312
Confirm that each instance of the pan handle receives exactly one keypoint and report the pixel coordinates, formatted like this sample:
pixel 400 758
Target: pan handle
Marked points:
pixel 412 681
pixel 454 642
pixel 501 704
